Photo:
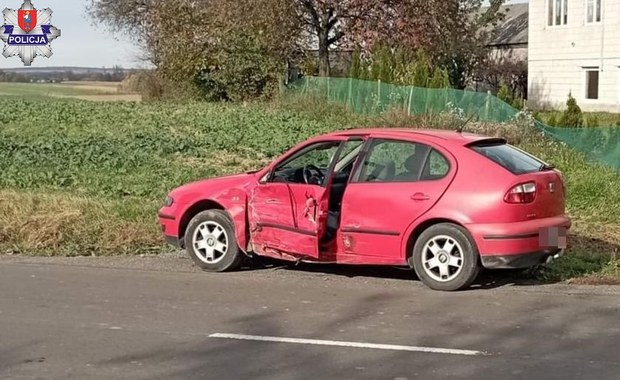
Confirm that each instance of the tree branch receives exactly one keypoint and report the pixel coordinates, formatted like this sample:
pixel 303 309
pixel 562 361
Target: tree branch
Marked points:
pixel 313 13
pixel 337 37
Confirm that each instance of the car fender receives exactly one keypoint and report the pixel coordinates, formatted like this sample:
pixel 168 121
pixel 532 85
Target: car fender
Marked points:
pixel 234 203
pixel 227 193
pixel 432 216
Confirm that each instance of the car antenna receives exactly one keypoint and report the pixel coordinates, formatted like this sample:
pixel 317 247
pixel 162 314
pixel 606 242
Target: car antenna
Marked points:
pixel 459 129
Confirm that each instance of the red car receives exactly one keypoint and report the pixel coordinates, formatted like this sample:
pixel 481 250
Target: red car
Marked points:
pixel 444 203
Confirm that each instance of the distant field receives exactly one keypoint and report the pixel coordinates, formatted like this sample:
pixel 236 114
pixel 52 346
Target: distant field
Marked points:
pixel 94 91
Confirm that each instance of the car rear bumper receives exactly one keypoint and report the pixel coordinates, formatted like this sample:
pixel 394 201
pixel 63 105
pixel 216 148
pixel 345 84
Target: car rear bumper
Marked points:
pixel 525 260
pixel 522 244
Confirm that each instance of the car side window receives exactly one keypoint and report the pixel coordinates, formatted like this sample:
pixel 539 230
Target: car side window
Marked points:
pixel 315 160
pixel 402 161
pixel 392 161
pixel 437 166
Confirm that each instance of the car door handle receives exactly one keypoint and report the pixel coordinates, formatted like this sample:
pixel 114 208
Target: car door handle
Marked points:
pixel 420 197
pixel 272 201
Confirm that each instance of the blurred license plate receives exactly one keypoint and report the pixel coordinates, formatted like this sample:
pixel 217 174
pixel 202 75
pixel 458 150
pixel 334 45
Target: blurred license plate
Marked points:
pixel 553 237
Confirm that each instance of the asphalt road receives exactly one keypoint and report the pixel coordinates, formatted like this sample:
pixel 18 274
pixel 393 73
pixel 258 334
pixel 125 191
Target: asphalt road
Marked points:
pixel 155 318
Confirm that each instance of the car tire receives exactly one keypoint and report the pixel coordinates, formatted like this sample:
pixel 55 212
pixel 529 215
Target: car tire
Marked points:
pixel 211 242
pixel 446 258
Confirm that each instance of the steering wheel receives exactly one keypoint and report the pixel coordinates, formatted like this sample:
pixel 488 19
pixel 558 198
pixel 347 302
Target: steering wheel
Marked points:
pixel 308 175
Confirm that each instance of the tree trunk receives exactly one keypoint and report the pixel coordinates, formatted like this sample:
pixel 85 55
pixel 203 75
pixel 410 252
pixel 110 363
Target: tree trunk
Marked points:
pixel 324 66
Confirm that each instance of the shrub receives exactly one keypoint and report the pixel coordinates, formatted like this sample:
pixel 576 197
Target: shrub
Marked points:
pixel 592 121
pixel 553 121
pixel 356 63
pixel 421 71
pixel 440 79
pixel 243 70
pixel 504 93
pixel 536 116
pixel 572 116
pixel 518 103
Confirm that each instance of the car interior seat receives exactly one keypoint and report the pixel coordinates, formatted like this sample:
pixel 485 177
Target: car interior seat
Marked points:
pixel 384 171
pixel 413 165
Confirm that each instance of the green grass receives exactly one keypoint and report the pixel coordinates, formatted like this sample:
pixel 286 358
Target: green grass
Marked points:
pixel 84 177
pixel 602 119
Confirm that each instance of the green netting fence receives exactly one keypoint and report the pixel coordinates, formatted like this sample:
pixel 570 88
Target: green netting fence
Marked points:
pixel 601 144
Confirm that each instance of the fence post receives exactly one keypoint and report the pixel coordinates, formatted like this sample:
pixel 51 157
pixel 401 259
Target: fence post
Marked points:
pixel 327 78
pixel 410 97
pixel 350 91
pixel 486 108
pixel 379 94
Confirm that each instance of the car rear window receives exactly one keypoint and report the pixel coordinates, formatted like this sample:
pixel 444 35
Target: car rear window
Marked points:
pixel 509 157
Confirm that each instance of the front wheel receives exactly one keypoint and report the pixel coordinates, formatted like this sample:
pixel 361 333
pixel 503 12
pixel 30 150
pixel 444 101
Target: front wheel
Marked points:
pixel 445 257
pixel 211 243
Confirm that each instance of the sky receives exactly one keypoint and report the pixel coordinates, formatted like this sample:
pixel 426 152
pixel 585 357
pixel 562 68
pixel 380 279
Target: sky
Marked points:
pixel 82 43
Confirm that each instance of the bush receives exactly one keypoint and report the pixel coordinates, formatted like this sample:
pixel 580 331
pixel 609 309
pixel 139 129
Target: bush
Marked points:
pixel 572 116
pixel 421 71
pixel 553 121
pixel 356 63
pixel 153 86
pixel 537 117
pixel 518 103
pixel 146 83
pixel 241 71
pixel 440 79
pixel 504 93
pixel 592 121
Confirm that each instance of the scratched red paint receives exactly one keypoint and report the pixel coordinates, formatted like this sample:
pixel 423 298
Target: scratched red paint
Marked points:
pixel 354 205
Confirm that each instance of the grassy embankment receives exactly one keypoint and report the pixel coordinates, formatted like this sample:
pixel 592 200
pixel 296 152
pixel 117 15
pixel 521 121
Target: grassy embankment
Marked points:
pixel 81 178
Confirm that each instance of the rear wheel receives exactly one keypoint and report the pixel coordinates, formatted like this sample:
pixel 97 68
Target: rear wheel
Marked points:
pixel 445 257
pixel 211 243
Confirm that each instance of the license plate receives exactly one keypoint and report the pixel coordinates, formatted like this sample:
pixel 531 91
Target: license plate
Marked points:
pixel 553 237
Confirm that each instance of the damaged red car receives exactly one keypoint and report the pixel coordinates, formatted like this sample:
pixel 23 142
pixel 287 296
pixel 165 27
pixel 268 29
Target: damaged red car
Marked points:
pixel 443 203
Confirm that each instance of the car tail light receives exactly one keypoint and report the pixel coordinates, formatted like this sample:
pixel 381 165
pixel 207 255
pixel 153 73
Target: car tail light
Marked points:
pixel 523 193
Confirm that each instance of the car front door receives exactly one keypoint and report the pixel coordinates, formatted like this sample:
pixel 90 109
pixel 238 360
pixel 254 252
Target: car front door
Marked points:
pixel 287 208
pixel 396 183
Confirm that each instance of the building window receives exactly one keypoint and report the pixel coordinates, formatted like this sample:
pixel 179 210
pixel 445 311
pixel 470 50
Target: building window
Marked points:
pixel 593 11
pixel 557 12
pixel 592 84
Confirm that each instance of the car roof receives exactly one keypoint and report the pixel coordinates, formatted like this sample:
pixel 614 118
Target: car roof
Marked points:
pixel 460 138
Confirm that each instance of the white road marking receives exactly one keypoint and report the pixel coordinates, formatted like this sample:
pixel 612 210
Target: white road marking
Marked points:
pixel 375 346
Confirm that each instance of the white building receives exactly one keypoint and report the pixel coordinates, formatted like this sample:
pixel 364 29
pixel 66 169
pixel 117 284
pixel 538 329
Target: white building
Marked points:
pixel 574 47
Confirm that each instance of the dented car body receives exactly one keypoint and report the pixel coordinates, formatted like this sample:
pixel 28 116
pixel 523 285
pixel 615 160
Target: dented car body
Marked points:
pixel 444 203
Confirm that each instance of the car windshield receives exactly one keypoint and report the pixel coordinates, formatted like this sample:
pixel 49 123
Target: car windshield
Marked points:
pixel 509 157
